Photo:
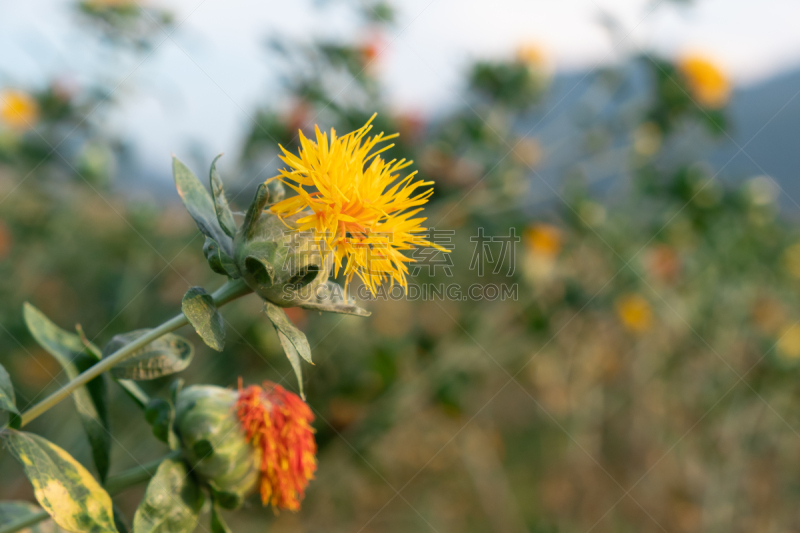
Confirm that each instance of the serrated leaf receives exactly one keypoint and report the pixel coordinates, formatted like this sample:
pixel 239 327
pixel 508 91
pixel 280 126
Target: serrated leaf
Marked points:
pixel 218 525
pixel 223 210
pixel 198 306
pixel 165 355
pixel 294 341
pixel 199 204
pixel 7 400
pixel 75 356
pixel 171 503
pixel 64 488
pixel 16 513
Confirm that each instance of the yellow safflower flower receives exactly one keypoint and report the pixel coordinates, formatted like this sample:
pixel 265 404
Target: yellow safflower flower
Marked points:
pixel 356 204
pixel 707 83
pixel 18 109
pixel 635 313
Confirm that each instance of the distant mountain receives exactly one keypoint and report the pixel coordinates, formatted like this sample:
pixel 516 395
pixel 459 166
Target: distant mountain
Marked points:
pixel 764 122
pixel 766 125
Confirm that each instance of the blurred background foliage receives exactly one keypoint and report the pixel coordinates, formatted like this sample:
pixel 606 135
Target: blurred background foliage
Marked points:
pixel 644 378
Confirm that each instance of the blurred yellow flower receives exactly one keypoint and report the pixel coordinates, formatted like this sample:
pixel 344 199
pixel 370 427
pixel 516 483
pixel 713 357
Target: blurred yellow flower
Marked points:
pixel 791 260
pixel 532 55
pixel 635 313
pixel 18 109
pixel 789 343
pixel 356 204
pixel 543 239
pixel 707 83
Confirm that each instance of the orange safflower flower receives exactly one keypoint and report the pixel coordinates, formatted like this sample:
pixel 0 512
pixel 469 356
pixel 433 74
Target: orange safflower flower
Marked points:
pixel 279 423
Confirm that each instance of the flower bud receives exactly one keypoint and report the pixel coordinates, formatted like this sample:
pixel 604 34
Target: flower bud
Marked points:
pixel 256 437
pixel 215 444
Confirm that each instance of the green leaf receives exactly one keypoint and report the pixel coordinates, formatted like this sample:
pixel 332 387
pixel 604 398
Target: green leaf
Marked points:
pixel 254 211
pixel 199 308
pixel 276 191
pixel 134 391
pixel 22 514
pixel 175 389
pixel 160 414
pixel 75 356
pixel 219 261
pixel 165 355
pixel 64 488
pixel 121 521
pixel 171 503
pixel 218 525
pixel 200 205
pixel 7 399
pixel 223 210
pixel 294 341
pixel 330 298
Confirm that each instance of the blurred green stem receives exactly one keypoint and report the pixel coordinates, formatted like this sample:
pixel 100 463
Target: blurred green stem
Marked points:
pixel 114 485
pixel 227 293
pixel 137 474
pixel 22 523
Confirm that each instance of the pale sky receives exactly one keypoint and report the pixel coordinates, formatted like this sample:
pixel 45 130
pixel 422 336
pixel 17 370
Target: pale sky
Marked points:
pixel 206 82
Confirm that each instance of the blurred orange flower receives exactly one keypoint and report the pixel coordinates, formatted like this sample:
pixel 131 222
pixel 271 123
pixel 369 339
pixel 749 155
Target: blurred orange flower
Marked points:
pixel 528 152
pixel 663 263
pixel 769 315
pixel 635 313
pixel 371 50
pixel 543 239
pixel 279 422
pixel 18 109
pixel 707 83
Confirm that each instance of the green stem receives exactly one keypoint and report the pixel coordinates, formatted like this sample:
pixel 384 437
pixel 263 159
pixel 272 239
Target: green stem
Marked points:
pixel 137 474
pixel 114 485
pixel 230 291
pixel 26 521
